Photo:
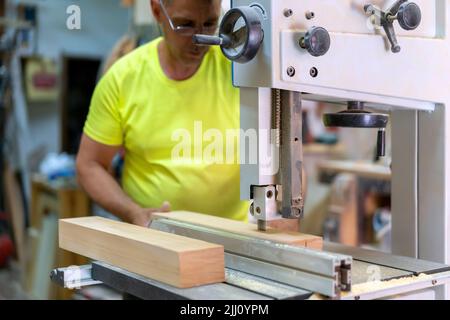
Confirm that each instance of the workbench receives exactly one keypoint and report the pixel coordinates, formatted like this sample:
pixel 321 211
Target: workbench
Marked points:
pixel 421 279
pixel 262 269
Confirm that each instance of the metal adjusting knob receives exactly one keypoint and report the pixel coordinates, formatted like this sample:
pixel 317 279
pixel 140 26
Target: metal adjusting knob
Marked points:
pixel 407 13
pixel 357 117
pixel 240 35
pixel 409 16
pixel 316 41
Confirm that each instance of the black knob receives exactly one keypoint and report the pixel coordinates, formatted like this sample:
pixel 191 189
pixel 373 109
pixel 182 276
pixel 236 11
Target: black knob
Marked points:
pixel 409 16
pixel 317 41
pixel 356 117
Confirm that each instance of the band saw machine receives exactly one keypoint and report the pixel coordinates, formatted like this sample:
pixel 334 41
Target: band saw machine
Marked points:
pixel 361 55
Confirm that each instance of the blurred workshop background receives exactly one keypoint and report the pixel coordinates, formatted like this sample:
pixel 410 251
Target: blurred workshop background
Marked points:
pixel 48 71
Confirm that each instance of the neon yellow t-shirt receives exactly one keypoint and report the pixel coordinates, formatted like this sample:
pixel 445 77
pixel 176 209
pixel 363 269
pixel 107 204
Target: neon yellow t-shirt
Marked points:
pixel 137 106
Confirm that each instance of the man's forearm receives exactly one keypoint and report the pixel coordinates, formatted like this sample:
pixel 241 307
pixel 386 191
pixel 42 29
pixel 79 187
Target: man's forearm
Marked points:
pixel 105 190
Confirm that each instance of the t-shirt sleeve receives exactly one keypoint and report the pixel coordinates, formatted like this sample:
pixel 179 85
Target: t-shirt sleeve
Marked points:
pixel 103 123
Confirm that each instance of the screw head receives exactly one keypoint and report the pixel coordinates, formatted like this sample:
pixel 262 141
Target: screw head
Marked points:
pixel 310 15
pixel 288 13
pixel 314 72
pixel 296 212
pixel 291 71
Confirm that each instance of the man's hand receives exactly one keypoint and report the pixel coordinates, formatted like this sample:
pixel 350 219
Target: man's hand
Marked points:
pixel 143 216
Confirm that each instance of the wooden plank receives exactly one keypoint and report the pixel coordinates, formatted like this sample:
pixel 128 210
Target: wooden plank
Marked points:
pixel 178 261
pixel 290 225
pixel 292 238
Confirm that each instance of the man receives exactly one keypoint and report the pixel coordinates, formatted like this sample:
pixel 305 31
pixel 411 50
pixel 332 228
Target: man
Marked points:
pixel 157 90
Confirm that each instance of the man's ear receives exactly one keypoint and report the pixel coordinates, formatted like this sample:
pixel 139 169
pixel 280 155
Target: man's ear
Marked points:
pixel 156 10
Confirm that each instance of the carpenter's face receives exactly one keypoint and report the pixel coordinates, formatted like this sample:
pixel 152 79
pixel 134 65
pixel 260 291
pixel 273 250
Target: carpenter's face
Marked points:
pixel 199 16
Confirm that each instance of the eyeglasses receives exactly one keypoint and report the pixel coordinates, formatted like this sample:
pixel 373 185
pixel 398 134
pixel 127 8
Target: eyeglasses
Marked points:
pixel 186 30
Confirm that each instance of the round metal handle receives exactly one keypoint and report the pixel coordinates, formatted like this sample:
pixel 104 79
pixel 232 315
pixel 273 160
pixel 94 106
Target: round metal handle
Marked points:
pixel 242 29
pixel 317 41
pixel 240 35
pixel 409 16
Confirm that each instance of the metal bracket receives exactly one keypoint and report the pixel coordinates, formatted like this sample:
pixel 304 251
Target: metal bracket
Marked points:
pixel 75 277
pixel 313 270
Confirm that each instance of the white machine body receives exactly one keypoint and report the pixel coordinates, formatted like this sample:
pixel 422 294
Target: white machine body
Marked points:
pixel 414 85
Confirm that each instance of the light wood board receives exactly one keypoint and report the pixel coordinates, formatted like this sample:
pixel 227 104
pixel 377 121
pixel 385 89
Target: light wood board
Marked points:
pixel 178 261
pixel 242 228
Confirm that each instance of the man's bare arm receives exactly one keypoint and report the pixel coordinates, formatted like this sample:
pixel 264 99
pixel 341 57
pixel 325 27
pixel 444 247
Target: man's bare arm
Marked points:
pixel 93 162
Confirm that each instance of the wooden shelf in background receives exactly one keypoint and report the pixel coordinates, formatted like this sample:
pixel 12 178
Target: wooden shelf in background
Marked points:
pixel 50 202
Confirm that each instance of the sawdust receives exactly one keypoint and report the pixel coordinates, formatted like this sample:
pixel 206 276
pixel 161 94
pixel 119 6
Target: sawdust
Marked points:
pixel 382 285
pixel 374 286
